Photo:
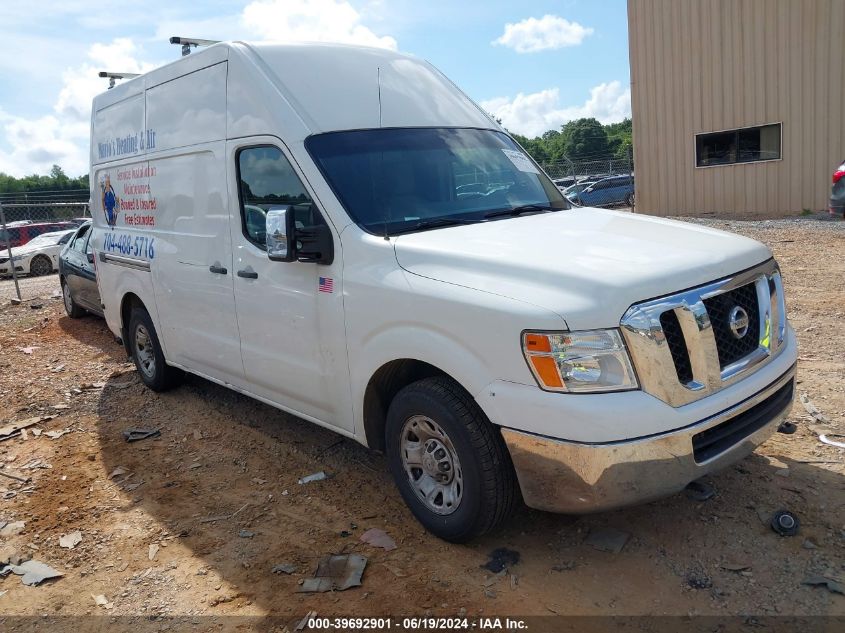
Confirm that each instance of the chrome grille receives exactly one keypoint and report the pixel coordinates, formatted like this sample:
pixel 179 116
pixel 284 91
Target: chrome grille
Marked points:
pixel 731 348
pixel 682 345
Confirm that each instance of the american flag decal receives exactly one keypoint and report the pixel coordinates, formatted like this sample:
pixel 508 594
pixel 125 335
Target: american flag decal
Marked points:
pixel 326 284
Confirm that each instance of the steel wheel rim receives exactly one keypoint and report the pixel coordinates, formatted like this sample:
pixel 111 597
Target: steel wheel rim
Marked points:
pixel 68 298
pixel 144 351
pixel 39 268
pixel 431 464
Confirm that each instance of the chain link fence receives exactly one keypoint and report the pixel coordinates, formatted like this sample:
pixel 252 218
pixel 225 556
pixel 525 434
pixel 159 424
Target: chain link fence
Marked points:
pixel 604 181
pixel 23 217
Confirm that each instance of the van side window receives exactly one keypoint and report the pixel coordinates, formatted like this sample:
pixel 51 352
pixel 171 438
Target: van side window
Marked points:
pixel 267 181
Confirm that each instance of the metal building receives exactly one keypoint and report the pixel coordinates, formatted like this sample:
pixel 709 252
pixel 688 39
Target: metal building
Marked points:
pixel 738 105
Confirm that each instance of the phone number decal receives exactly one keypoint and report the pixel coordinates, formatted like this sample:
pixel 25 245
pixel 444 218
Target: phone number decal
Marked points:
pixel 129 245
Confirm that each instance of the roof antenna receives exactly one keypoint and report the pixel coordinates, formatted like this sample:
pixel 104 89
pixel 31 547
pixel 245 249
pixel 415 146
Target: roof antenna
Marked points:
pixel 114 76
pixel 190 42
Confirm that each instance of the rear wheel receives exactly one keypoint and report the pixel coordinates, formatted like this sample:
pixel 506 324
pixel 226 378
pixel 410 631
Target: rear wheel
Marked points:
pixel 449 462
pixel 148 355
pixel 73 310
pixel 629 200
pixel 40 265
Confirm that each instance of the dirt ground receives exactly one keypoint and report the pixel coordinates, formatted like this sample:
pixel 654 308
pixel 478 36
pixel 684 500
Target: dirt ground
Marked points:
pixel 195 520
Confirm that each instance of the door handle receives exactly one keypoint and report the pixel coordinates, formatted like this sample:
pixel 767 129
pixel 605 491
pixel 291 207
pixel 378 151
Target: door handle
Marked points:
pixel 248 274
pixel 217 270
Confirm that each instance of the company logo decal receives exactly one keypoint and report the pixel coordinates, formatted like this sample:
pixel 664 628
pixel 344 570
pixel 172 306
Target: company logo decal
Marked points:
pixel 111 203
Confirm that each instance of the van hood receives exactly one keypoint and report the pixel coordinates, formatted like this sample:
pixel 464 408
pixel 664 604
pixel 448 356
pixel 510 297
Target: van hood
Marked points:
pixel 587 265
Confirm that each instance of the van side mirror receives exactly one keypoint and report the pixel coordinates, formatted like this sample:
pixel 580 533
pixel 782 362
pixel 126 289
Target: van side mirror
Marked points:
pixel 281 238
pixel 90 258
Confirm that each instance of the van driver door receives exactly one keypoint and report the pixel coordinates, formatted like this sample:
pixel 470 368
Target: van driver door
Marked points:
pixel 290 314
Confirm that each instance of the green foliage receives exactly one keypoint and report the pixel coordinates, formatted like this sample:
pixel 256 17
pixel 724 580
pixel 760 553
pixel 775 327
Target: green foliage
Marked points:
pixel 57 180
pixel 579 140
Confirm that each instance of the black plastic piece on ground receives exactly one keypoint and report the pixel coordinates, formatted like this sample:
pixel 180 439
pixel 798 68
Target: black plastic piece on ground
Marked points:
pixel 135 435
pixel 785 523
pixel 700 491
pixel 788 428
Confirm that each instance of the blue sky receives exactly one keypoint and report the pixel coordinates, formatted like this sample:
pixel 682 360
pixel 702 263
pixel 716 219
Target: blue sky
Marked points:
pixel 535 64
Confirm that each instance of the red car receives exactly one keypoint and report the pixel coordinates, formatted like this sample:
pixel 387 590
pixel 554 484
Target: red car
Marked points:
pixel 20 234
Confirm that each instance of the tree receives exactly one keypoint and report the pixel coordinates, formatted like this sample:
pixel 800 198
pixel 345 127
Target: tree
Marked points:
pixel 584 138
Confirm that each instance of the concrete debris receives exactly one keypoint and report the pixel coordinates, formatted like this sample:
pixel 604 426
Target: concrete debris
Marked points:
pixel 607 539
pixel 811 408
pixel 152 551
pixel 378 538
pixel 833 586
pixel 33 572
pixel 320 476
pixel 54 435
pixel 28 350
pixel 14 429
pixel 117 472
pixel 336 572
pixel 12 529
pixel 69 541
pixel 102 601
pixel 246 534
pixel 284 568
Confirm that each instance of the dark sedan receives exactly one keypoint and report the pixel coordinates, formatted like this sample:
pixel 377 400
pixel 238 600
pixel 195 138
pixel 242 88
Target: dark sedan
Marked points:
pixel 78 275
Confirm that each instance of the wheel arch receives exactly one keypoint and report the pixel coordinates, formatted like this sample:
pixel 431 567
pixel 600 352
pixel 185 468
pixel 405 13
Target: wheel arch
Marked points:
pixel 129 302
pixel 383 386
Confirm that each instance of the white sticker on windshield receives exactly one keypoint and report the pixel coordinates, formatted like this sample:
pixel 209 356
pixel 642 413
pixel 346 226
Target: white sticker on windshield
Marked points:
pixel 520 161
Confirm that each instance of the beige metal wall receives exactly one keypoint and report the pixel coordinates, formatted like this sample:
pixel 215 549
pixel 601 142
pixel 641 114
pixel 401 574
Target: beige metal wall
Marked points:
pixel 709 65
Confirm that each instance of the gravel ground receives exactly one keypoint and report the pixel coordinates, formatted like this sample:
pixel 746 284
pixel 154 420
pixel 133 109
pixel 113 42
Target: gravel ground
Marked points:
pixel 161 520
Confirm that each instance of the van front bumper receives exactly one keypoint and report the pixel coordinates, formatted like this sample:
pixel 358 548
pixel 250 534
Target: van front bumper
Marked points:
pixel 579 478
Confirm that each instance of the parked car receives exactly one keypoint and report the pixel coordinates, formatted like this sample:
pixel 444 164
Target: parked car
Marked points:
pixel 837 193
pixel 78 275
pixel 39 256
pixel 606 192
pixel 21 233
pixel 571 193
pixel 490 344
pixel 563 183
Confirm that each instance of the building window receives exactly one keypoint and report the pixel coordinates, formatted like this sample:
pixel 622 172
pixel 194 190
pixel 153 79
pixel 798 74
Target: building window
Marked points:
pixel 746 145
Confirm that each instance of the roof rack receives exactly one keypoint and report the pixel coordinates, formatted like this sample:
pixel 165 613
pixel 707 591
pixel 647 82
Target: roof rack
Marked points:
pixel 190 42
pixel 114 76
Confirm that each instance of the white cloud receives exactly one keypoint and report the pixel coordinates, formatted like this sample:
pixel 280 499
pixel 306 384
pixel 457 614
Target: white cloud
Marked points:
pixel 549 32
pixel 32 144
pixel 311 20
pixel 535 113
pixel 35 144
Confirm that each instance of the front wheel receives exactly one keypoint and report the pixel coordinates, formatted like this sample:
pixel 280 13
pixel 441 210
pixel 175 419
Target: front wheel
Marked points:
pixel 148 355
pixel 449 462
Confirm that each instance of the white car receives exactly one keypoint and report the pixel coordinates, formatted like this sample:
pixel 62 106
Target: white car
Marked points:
pixel 39 256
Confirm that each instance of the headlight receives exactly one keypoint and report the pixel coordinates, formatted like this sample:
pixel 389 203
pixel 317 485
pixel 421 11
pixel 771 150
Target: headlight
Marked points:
pixel 580 362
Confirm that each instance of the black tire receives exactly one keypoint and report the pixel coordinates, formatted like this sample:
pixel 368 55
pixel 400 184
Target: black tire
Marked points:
pixel 629 200
pixel 489 490
pixel 147 353
pixel 40 266
pixel 72 309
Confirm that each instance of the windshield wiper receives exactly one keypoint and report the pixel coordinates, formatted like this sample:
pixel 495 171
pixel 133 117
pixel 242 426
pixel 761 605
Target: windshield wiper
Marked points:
pixel 435 223
pixel 523 208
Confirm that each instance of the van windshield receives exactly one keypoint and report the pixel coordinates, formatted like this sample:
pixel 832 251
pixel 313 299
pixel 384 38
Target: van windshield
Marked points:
pixel 397 180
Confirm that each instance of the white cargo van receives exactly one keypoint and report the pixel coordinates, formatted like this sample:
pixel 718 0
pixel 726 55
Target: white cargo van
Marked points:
pixel 341 233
